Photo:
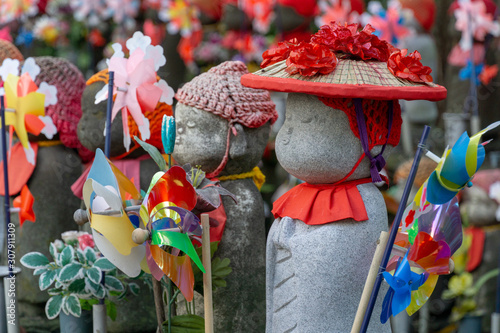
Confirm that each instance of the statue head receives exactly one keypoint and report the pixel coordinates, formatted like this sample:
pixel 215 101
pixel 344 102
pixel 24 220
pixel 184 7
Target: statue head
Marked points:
pixel 222 126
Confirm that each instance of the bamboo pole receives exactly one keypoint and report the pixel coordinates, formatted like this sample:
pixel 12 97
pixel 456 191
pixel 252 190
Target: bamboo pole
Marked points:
pixel 370 281
pixel 160 310
pixel 207 277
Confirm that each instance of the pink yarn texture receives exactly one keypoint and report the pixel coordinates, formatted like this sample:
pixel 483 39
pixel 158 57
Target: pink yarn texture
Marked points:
pixel 219 91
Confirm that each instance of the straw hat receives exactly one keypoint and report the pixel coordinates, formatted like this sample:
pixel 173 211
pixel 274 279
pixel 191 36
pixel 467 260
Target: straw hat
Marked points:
pixel 352 77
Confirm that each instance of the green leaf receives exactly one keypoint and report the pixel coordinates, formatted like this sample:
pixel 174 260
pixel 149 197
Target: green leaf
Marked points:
pixel 66 255
pixel 134 288
pixel 113 283
pixel 72 305
pixel 96 289
pixel 154 153
pixel 34 260
pixel 104 264
pixel 46 279
pixel 111 309
pixel 70 272
pixel 54 291
pixel 53 306
pixel 90 255
pixel 77 287
pixel 220 270
pixel 39 271
pixel 188 323
pixel 81 256
pixel 86 304
pixel 53 250
pixel 94 274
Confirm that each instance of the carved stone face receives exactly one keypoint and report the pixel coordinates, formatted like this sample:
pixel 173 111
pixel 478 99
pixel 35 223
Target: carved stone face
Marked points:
pixel 91 125
pixel 316 143
pixel 202 136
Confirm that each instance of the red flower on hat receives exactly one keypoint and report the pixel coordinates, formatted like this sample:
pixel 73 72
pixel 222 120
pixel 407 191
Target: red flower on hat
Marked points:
pixel 347 39
pixel 409 67
pixel 280 52
pixel 309 58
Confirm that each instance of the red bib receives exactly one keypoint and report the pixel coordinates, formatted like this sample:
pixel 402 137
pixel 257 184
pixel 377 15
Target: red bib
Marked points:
pixel 323 203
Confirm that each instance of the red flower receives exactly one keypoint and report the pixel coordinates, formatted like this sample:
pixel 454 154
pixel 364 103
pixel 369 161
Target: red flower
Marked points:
pixel 309 59
pixel 279 52
pixel 347 39
pixel 409 67
pixel 86 240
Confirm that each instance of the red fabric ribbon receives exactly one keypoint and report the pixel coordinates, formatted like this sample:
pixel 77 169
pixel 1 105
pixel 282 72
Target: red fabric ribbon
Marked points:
pixel 323 203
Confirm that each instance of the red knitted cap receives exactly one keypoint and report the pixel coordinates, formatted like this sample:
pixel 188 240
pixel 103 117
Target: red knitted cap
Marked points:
pixel 67 112
pixel 219 91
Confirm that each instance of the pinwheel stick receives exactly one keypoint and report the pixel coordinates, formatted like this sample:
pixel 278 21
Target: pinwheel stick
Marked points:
pixel 207 277
pixel 394 229
pixel 6 178
pixel 109 107
pixel 10 110
pixel 370 281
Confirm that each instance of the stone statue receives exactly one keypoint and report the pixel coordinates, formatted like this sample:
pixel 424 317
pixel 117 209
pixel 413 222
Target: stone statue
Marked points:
pixel 342 117
pixel 223 127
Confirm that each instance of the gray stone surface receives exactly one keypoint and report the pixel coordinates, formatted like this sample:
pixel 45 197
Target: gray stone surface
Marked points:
pixel 316 144
pixel 201 140
pixel 315 274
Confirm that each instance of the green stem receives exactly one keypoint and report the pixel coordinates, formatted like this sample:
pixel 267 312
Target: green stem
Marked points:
pixel 194 308
pixel 187 306
pixel 169 161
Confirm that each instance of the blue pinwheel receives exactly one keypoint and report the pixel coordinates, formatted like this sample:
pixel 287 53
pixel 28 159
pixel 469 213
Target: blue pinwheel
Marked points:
pixel 401 284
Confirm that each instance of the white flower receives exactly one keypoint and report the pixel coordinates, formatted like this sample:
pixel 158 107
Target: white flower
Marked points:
pixel 50 92
pixel 156 53
pixel 72 235
pixel 31 68
pixel 168 93
pixel 50 129
pixel 138 41
pixel 9 66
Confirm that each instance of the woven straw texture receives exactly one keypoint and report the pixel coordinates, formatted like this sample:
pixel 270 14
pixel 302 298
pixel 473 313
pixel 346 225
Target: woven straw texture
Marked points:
pixel 351 78
pixel 347 72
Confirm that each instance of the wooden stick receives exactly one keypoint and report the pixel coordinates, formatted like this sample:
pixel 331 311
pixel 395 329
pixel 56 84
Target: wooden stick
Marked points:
pixel 370 281
pixel 207 277
pixel 160 310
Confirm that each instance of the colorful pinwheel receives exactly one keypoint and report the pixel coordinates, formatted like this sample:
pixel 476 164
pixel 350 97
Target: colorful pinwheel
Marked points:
pixel 166 214
pixel 389 24
pixel 181 17
pixel 474 22
pixel 136 87
pixel 260 12
pixel 339 11
pixel 104 193
pixel 431 228
pixel 26 102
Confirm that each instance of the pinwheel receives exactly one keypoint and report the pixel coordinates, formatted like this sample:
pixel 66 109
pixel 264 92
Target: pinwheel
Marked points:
pixel 389 24
pixel 112 228
pixel 90 11
pixel 166 214
pixel 136 87
pixel 431 229
pixel 401 285
pixel 11 10
pixel 25 102
pixel 339 11
pixel 474 22
pixel 261 13
pixel 23 205
pixel 123 9
pixel 181 17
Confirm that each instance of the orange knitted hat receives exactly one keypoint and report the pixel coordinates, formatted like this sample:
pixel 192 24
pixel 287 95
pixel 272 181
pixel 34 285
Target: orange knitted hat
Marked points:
pixel 8 50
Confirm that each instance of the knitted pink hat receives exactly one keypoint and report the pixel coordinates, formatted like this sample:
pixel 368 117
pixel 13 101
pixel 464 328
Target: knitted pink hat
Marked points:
pixel 220 92
pixel 67 112
pixel 8 50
